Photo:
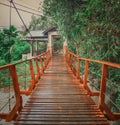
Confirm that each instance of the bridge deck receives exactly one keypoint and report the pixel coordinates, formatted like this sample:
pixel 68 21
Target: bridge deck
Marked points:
pixel 59 98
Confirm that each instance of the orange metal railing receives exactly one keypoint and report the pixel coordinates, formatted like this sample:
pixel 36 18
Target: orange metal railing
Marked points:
pixel 75 62
pixel 14 74
pixel 33 71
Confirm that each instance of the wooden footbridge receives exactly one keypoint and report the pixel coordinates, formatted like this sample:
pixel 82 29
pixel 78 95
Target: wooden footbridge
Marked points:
pixel 58 95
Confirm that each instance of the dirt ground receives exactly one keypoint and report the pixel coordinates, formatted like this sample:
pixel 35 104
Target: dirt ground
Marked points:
pixel 3 100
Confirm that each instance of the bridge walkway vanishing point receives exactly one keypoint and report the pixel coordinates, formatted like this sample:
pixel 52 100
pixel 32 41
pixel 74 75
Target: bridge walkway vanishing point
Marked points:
pixel 59 98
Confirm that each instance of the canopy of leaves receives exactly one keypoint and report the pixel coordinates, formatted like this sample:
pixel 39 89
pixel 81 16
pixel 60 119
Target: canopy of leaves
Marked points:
pixel 11 48
pixel 91 27
pixel 40 23
pixel 19 48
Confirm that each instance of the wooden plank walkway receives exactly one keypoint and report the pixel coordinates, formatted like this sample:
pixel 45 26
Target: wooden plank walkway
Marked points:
pixel 59 99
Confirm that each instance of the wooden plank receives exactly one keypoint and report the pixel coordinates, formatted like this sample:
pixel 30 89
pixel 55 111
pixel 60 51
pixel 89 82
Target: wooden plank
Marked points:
pixel 63 113
pixel 59 119
pixel 60 107
pixel 60 123
pixel 58 116
pixel 58 99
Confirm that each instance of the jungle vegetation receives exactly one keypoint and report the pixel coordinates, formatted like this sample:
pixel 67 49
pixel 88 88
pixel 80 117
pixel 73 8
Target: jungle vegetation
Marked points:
pixel 11 47
pixel 92 30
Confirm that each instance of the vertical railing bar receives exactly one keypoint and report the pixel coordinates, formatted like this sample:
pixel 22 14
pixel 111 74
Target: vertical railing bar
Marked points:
pixel 103 85
pixel 41 64
pixel 70 61
pixel 86 73
pixel 46 55
pixel 32 76
pixel 18 104
pixel 78 68
pixel 37 67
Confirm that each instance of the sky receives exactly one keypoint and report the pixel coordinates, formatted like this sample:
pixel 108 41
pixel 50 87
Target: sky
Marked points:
pixel 15 20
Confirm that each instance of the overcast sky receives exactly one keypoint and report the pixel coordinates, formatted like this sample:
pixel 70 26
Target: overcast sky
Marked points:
pixel 5 12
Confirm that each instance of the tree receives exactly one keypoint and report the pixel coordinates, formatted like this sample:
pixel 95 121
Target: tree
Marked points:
pixel 19 48
pixel 40 23
pixel 11 48
pixel 8 38
pixel 92 30
pixel 89 25
pixel 62 13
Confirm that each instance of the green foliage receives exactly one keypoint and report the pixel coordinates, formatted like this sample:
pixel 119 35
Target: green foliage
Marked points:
pixel 118 98
pixel 19 48
pixel 58 44
pixel 42 46
pixel 91 28
pixel 5 79
pixel 23 72
pixel 7 40
pixel 89 25
pixel 11 48
pixel 40 23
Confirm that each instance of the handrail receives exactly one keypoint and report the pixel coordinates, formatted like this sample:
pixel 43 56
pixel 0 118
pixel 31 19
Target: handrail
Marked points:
pixel 97 61
pixel 72 58
pixel 44 60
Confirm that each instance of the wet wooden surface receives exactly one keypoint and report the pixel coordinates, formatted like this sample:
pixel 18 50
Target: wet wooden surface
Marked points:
pixel 60 99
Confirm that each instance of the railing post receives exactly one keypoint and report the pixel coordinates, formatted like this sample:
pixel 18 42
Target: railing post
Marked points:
pixel 78 69
pixel 103 85
pixel 49 55
pixel 15 80
pixel 86 73
pixel 41 65
pixel 32 76
pixel 67 56
pixel 18 105
pixel 37 67
pixel 70 61
pixel 74 70
pixel 44 63
pixel 47 59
